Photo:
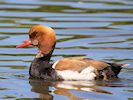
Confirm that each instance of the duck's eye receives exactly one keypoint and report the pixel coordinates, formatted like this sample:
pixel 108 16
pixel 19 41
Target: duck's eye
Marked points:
pixel 33 34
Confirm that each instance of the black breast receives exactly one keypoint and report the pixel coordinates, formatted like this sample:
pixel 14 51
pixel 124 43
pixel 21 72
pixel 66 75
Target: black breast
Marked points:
pixel 42 70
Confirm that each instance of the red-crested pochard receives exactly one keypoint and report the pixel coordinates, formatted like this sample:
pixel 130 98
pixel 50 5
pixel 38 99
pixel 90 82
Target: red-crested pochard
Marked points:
pixel 73 68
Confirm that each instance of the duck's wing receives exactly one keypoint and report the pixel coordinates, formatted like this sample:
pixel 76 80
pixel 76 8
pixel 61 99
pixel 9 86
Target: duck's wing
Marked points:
pixel 78 64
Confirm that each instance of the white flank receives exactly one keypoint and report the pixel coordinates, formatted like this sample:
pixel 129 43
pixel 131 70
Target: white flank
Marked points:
pixel 53 66
pixel 86 74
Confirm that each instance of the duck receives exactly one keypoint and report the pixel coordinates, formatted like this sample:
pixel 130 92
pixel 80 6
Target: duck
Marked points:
pixel 71 68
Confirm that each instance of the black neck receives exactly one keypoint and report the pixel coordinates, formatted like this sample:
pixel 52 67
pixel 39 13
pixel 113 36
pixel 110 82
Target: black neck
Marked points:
pixel 40 67
pixel 47 57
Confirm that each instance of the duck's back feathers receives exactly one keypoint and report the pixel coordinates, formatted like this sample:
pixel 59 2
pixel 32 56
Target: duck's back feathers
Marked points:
pixel 78 64
pixel 79 68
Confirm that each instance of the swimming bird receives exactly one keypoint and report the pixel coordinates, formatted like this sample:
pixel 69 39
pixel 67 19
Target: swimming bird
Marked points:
pixel 72 68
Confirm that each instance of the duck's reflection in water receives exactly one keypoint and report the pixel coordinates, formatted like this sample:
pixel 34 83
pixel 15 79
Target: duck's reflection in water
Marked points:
pixel 48 89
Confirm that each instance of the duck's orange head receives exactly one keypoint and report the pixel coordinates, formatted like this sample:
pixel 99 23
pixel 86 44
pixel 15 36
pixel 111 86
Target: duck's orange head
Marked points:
pixel 41 36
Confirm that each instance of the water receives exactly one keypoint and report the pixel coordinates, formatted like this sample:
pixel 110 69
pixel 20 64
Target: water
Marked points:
pixel 99 29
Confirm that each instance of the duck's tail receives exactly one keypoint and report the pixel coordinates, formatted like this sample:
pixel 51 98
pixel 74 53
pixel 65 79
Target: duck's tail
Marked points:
pixel 124 65
pixel 116 68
